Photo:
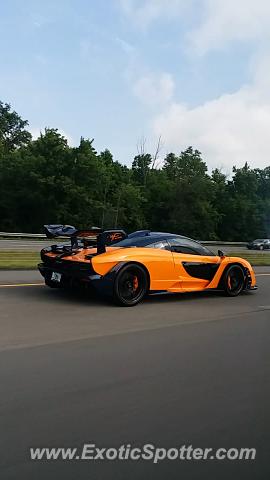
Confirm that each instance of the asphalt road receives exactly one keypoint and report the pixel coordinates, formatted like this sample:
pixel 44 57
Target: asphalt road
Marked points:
pixel 177 369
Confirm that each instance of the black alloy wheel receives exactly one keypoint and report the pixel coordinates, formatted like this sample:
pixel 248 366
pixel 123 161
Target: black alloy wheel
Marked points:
pixel 234 280
pixel 131 285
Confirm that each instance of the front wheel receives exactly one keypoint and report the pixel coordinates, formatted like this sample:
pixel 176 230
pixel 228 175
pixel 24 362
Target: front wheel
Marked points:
pixel 131 285
pixel 234 281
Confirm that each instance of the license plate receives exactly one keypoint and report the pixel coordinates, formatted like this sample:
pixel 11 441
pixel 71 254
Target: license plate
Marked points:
pixel 56 277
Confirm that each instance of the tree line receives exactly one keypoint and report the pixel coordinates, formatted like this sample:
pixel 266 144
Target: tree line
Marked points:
pixel 47 181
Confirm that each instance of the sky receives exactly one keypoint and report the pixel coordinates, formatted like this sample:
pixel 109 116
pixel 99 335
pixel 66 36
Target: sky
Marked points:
pixel 195 72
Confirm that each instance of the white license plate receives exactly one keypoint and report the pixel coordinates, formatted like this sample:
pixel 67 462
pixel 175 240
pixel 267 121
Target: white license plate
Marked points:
pixel 56 277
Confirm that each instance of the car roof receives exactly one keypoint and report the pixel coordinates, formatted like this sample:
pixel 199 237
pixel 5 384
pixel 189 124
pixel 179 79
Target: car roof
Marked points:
pixel 155 236
pixel 148 233
pixel 145 237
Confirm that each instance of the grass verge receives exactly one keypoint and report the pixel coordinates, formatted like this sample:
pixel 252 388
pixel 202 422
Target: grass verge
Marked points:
pixel 256 259
pixel 18 260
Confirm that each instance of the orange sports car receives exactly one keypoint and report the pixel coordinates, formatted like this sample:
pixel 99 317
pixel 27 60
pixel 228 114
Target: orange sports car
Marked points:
pixel 127 267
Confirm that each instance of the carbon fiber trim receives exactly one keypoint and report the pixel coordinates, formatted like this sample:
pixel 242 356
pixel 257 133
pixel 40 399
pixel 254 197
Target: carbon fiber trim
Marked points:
pixel 204 271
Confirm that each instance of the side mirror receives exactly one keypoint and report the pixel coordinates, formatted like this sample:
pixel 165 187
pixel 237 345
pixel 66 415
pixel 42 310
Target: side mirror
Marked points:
pixel 221 253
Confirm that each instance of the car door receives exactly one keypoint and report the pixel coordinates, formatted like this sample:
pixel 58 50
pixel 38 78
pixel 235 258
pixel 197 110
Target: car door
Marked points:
pixel 195 265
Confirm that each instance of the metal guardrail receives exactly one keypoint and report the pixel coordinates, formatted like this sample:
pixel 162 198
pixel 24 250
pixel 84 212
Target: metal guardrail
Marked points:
pixel 220 243
pixel 22 235
pixel 34 236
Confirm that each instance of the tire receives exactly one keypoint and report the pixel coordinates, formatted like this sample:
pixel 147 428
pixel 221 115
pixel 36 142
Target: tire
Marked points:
pixel 131 285
pixel 233 281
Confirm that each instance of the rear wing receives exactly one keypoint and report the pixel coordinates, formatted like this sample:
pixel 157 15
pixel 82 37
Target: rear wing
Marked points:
pixel 57 230
pixel 109 237
pixel 93 236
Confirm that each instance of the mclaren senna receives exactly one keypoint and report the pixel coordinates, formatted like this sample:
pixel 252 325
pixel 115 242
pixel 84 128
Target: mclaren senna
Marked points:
pixel 128 267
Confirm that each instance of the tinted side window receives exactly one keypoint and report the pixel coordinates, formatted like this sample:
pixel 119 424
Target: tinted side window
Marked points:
pixel 163 245
pixel 133 242
pixel 185 245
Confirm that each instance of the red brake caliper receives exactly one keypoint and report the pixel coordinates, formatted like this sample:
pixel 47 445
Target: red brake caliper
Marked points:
pixel 135 283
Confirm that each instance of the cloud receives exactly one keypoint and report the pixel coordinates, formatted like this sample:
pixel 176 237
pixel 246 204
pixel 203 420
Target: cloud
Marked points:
pixel 125 46
pixel 38 21
pixel 217 22
pixel 234 127
pixel 226 21
pixel 230 130
pixel 154 90
pixel 144 12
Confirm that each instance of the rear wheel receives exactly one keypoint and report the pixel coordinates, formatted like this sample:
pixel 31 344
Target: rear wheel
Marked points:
pixel 131 285
pixel 234 280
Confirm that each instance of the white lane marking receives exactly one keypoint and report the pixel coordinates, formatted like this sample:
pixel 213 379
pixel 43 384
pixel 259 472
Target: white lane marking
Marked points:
pixel 262 274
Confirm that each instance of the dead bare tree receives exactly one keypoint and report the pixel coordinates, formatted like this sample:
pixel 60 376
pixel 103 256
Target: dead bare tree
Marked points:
pixel 146 161
pixel 117 209
pixel 156 153
pixel 141 146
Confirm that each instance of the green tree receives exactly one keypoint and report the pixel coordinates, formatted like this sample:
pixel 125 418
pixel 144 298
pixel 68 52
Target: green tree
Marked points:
pixel 191 209
pixel 46 181
pixel 141 168
pixel 170 165
pixel 12 129
pixel 245 213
